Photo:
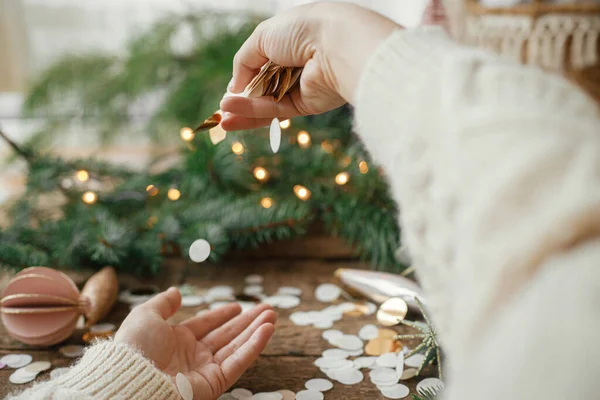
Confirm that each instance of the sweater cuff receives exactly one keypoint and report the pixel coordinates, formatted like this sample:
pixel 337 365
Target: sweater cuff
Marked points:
pixel 111 370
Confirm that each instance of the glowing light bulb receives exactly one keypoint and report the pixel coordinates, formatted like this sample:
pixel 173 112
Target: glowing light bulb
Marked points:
pixel 89 197
pixel 261 174
pixel 82 175
pixel 342 178
pixel 237 148
pixel 152 190
pixel 303 139
pixel 327 147
pixel 187 134
pixel 173 194
pixel 285 124
pixel 266 202
pixel 363 167
pixel 302 192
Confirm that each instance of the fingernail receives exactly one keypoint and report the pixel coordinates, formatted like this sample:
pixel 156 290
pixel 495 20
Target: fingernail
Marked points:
pixel 230 86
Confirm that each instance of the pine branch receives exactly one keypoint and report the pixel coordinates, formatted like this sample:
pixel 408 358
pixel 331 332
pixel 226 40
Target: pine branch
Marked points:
pixel 17 149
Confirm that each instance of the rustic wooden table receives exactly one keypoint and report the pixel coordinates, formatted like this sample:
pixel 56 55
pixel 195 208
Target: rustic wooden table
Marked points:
pixel 287 362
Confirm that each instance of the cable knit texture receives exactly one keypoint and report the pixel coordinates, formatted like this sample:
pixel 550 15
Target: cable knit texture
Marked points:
pixel 496 168
pixel 108 370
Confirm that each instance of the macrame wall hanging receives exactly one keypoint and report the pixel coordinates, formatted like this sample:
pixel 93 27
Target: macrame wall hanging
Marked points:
pixel 558 35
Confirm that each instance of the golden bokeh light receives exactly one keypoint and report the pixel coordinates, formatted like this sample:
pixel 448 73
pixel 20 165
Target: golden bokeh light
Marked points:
pixel 342 178
pixel 187 134
pixel 173 194
pixel 261 174
pixel 152 190
pixel 363 167
pixel 82 175
pixel 237 148
pixel 302 192
pixel 285 124
pixel 303 139
pixel 266 202
pixel 89 197
pixel 327 147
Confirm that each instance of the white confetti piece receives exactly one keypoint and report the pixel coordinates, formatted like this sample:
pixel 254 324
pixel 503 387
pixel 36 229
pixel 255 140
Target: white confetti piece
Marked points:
pixel 408 373
pixel 102 328
pixel 10 359
pixel 287 394
pixel 199 250
pixel 433 384
pixel 192 301
pixel 290 290
pixel 368 332
pixel 309 395
pixel 38 366
pixel 364 362
pixel 348 342
pixel 20 376
pixel 241 393
pixel 275 135
pixel 397 391
pixel 254 279
pixel 336 363
pixel 319 385
pixel 184 387
pixel 327 293
pixel 58 372
pixel 335 353
pixel 332 334
pixel 349 376
pixel 399 365
pixel 267 396
pixel 414 360
pixel 323 324
pixel 387 360
pixel 383 375
pixel 20 361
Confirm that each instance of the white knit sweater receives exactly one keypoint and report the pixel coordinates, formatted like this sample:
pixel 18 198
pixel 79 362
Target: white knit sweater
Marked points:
pixel 496 168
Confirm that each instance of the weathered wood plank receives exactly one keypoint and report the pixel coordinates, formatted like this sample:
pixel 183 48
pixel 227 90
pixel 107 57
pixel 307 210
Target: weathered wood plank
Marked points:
pixel 288 360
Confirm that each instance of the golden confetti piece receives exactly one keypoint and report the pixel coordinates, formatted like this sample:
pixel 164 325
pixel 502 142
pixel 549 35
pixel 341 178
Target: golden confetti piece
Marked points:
pixel 379 346
pixel 217 134
pixel 387 334
pixel 210 122
pixel 392 311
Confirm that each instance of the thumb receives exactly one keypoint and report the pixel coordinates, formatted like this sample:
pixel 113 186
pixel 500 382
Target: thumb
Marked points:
pixel 164 304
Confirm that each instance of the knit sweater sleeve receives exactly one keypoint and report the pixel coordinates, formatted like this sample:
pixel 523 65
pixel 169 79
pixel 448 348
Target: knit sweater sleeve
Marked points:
pixel 495 166
pixel 108 370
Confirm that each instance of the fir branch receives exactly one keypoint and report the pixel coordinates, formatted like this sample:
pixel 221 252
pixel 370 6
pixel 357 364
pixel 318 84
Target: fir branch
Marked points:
pixel 17 149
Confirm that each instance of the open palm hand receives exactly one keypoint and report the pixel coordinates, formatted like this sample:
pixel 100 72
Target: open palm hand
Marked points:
pixel 212 350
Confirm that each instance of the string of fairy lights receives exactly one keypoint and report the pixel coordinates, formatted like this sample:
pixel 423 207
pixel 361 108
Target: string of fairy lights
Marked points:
pixel 261 174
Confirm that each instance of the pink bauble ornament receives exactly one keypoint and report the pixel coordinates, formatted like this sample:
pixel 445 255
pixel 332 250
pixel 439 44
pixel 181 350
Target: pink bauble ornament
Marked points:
pixel 41 306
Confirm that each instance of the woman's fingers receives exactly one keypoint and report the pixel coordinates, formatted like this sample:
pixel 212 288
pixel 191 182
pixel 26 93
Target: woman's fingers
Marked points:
pixel 260 107
pixel 247 61
pixel 267 316
pixel 219 337
pixel 232 122
pixel 164 304
pixel 201 325
pixel 237 363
